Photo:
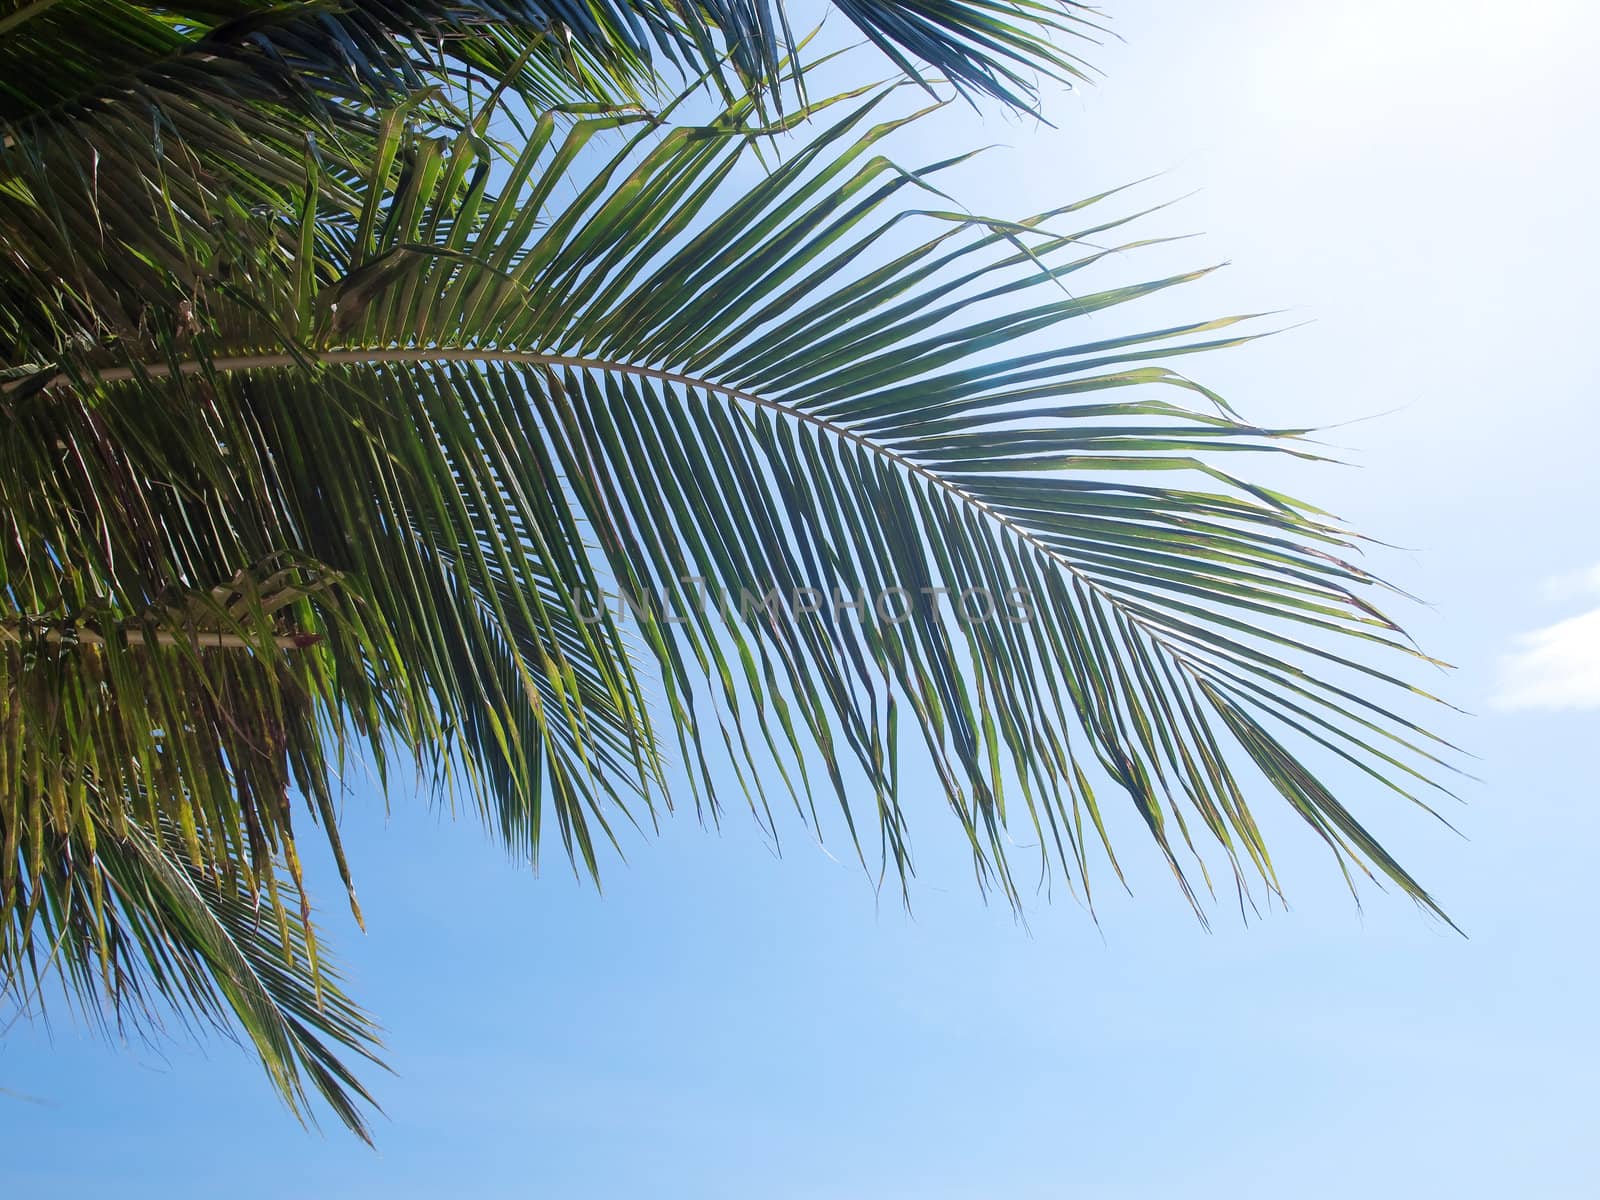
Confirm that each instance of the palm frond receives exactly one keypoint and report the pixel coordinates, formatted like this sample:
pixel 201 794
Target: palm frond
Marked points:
pixel 171 136
pixel 332 58
pixel 352 471
pixel 716 392
pixel 115 913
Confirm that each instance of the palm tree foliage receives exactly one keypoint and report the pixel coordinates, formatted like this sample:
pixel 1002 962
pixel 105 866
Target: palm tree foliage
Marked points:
pixel 211 103
pixel 329 411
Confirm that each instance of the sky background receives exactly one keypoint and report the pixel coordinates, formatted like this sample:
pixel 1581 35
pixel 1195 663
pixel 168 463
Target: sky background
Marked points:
pixel 1410 178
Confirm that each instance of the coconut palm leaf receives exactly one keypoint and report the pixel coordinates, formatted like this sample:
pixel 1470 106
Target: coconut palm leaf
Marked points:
pixel 156 131
pixel 358 495
pixel 473 390
pixel 149 855
pixel 137 934
pixel 354 49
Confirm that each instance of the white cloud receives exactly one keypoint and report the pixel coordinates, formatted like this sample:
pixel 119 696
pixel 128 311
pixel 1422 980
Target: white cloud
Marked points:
pixel 1557 666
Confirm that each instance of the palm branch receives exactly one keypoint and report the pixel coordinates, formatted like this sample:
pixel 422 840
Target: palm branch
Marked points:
pixel 67 54
pixel 155 131
pixel 357 496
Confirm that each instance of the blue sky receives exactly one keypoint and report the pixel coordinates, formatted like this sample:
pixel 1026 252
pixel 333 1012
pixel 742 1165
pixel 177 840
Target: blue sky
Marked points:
pixel 1411 180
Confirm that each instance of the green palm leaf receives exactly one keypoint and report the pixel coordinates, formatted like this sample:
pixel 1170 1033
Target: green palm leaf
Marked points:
pixel 162 129
pixel 70 56
pixel 351 475
pixel 802 426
